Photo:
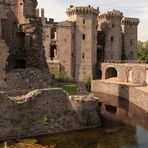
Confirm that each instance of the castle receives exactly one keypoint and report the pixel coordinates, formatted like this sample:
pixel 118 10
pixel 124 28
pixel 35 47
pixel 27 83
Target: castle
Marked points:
pixel 87 38
pixel 31 45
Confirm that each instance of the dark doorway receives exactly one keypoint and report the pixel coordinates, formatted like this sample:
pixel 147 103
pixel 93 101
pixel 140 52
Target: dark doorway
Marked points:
pixel 53 49
pixel 20 64
pixel 99 74
pixel 20 40
pixel 99 55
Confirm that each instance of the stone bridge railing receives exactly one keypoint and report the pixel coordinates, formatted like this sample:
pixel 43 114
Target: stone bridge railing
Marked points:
pixel 124 61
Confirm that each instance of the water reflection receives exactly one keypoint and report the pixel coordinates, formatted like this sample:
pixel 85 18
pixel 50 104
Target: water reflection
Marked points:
pixel 124 126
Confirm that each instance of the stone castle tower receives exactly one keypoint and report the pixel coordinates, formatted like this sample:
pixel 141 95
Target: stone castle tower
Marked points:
pixel 110 24
pixel 85 19
pixel 129 29
pixel 120 36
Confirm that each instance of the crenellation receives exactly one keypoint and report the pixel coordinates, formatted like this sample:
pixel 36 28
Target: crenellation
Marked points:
pixel 130 21
pixel 82 10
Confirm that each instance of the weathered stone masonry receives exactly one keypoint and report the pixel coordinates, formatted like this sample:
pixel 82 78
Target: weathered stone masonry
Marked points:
pixel 45 111
pixel 22 31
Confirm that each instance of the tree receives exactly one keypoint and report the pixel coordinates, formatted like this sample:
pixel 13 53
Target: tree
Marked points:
pixel 143 51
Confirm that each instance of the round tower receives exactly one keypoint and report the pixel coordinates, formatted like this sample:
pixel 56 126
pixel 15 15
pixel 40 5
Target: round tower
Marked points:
pixel 129 29
pixel 85 19
pixel 110 23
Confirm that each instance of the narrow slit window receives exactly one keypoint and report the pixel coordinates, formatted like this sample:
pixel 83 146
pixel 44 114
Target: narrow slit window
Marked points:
pixel 83 55
pixel 112 39
pixel 131 42
pixel 83 21
pixel 83 36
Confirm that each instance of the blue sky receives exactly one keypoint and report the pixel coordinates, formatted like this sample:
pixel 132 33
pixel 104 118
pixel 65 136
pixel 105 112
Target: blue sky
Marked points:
pixel 131 8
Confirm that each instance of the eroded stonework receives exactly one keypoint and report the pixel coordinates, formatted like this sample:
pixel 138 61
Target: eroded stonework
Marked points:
pixel 22 32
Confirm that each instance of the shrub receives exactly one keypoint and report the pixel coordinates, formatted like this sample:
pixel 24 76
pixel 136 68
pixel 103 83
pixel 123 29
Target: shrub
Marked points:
pixel 87 81
pixel 60 75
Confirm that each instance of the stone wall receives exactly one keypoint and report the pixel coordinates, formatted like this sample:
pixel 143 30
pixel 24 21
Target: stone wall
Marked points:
pixel 4 52
pixel 26 79
pixel 131 93
pixel 66 47
pixel 44 112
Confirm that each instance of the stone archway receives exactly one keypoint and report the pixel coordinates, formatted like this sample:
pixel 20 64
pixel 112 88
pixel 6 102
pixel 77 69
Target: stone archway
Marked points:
pixel 111 72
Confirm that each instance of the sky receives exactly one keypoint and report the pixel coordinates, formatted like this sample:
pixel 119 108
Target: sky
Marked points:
pixel 131 8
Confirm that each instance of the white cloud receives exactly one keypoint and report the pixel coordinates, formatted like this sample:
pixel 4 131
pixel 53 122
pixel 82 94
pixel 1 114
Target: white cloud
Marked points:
pixel 133 8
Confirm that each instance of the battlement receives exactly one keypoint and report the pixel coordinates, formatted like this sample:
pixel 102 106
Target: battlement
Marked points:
pixel 130 21
pixel 111 14
pixel 40 13
pixel 72 10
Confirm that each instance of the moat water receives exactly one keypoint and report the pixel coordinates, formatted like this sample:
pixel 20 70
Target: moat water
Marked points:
pixel 124 125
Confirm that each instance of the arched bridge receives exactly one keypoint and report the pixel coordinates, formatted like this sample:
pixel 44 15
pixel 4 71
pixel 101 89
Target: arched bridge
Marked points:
pixel 134 73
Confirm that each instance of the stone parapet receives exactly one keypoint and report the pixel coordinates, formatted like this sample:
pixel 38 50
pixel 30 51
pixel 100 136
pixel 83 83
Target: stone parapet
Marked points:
pixel 130 21
pixel 111 14
pixel 81 10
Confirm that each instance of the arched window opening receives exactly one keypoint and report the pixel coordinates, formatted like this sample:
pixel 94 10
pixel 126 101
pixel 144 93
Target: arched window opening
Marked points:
pixel 112 39
pixel 20 64
pixel 53 51
pixel 53 33
pixel 111 72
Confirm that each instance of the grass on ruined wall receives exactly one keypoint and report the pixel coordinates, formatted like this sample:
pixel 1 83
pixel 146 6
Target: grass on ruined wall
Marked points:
pixel 70 88
pixel 60 75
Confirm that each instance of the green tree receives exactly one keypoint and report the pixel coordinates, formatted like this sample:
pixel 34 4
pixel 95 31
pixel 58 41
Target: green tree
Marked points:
pixel 143 51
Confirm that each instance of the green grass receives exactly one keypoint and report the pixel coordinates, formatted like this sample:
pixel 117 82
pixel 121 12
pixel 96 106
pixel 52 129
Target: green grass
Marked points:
pixel 38 93
pixel 59 75
pixel 70 88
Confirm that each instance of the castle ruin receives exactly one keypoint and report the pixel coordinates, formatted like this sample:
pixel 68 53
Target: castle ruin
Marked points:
pixel 32 45
pixel 23 62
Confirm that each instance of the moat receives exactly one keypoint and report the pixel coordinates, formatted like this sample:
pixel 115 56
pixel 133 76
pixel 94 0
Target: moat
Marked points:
pixel 124 125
